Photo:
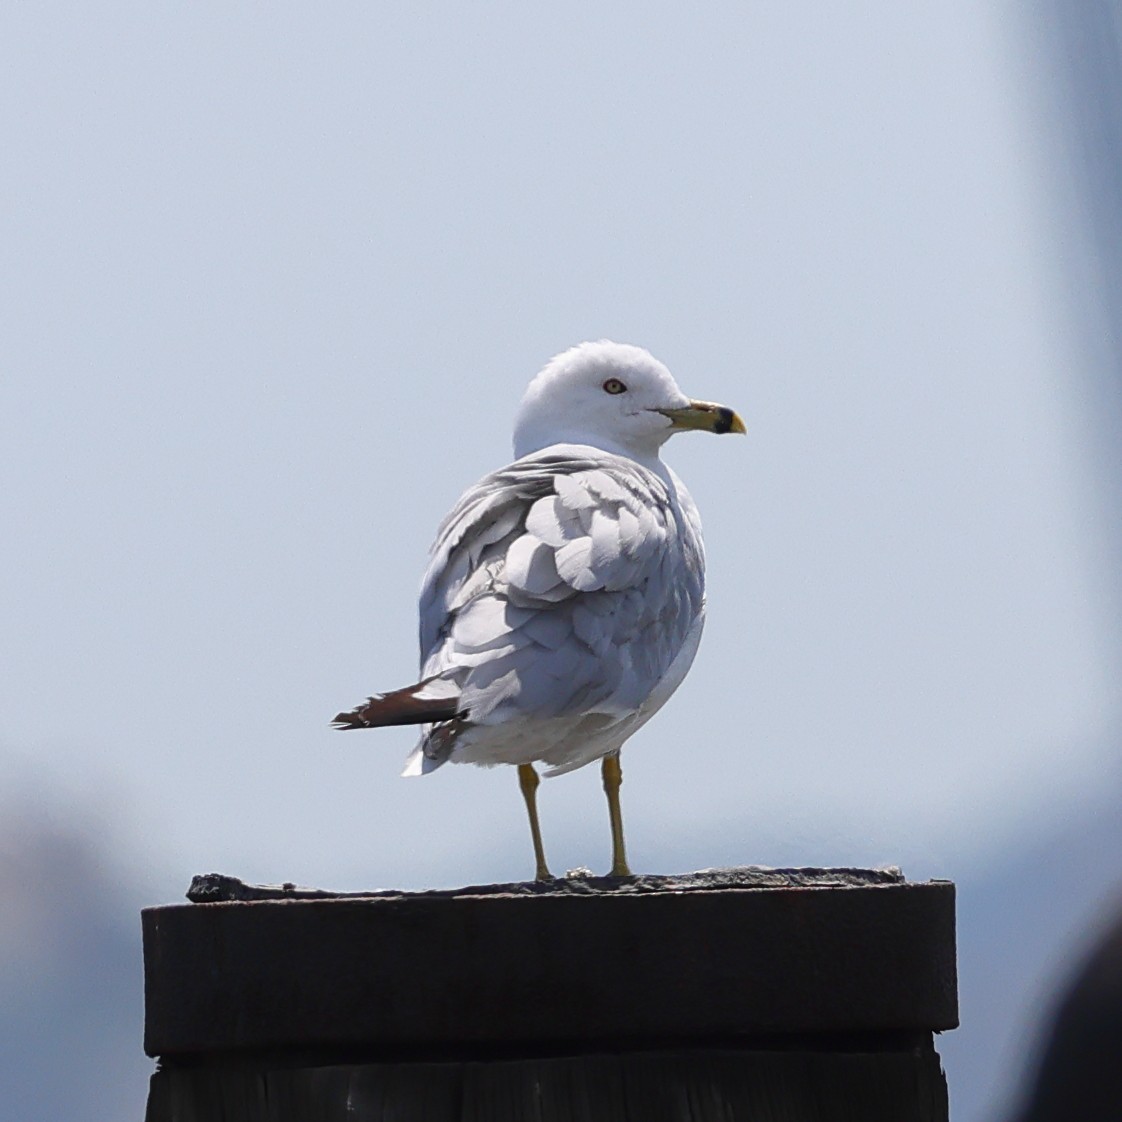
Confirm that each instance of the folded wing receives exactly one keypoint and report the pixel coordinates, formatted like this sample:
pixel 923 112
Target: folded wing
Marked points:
pixel 563 583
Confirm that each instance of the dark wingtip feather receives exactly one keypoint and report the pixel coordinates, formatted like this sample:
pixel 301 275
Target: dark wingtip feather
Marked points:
pixel 353 718
pixel 344 721
pixel 399 707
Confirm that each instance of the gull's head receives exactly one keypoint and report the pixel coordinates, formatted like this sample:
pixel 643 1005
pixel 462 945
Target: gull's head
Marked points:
pixel 612 396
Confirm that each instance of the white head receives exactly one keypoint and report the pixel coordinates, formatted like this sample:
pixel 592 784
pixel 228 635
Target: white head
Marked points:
pixel 612 396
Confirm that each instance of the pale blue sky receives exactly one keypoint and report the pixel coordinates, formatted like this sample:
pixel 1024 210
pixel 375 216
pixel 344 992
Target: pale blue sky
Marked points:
pixel 275 279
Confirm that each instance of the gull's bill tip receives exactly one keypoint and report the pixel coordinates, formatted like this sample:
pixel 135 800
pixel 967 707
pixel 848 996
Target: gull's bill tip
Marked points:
pixel 706 416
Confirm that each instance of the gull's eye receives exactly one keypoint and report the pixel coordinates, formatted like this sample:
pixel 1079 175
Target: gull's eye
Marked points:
pixel 614 385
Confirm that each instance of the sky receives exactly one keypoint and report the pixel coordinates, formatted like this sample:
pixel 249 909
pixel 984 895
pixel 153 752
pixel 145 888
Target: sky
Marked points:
pixel 273 283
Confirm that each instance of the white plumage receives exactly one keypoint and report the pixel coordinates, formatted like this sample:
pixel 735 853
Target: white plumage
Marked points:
pixel 561 591
pixel 565 594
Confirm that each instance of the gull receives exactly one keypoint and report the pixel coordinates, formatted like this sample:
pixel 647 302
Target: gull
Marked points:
pixel 565 593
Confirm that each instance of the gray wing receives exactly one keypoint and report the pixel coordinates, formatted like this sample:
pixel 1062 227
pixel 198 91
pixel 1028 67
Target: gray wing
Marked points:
pixel 563 583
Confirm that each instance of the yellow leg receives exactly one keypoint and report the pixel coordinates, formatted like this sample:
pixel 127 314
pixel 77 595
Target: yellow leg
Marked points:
pixel 613 778
pixel 528 780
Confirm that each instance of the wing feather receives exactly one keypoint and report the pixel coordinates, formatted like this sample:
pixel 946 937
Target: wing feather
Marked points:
pixel 530 566
pixel 550 521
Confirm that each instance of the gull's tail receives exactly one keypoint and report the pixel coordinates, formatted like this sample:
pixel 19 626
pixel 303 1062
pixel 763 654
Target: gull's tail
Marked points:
pixel 426 703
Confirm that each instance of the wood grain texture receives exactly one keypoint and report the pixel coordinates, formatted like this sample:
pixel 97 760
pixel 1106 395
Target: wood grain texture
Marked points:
pixel 668 1086
pixel 555 969
pixel 754 995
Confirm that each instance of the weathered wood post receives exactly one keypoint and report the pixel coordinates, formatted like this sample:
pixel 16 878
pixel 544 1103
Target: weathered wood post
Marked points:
pixel 796 995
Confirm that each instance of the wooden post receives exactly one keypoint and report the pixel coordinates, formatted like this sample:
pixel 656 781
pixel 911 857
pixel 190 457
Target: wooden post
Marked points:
pixel 763 995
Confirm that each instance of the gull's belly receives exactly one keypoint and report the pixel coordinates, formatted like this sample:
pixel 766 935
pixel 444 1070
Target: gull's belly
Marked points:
pixel 571 741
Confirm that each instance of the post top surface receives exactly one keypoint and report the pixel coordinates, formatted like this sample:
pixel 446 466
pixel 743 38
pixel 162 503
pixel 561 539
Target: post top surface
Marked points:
pixel 211 888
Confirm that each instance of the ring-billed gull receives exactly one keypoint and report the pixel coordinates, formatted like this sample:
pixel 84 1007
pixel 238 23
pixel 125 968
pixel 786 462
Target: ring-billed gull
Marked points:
pixel 565 593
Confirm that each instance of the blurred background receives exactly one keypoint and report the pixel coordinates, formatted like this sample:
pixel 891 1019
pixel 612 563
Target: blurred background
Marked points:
pixel 274 278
